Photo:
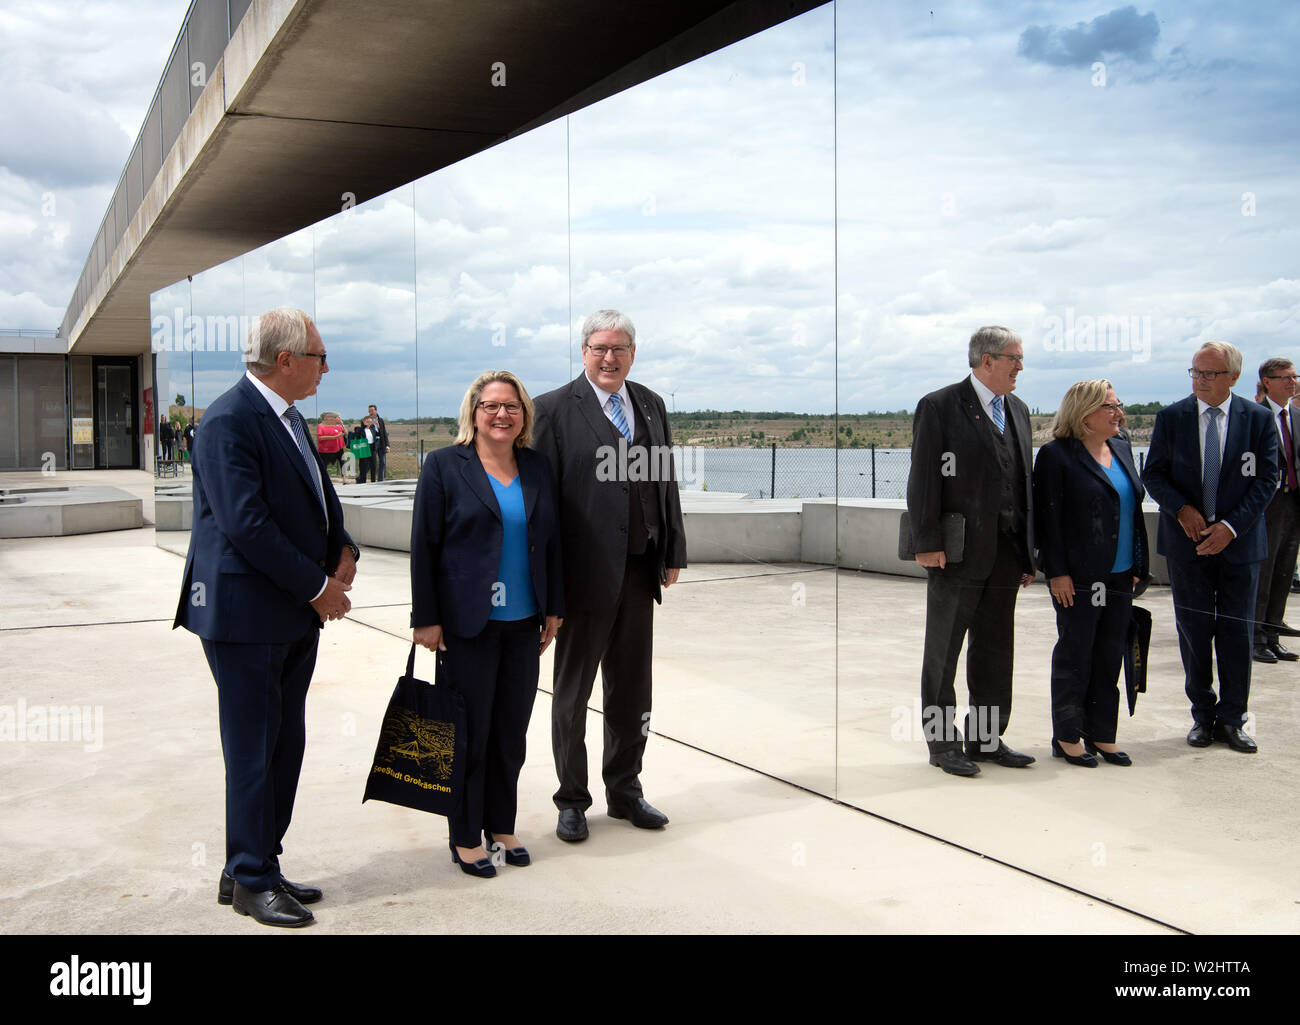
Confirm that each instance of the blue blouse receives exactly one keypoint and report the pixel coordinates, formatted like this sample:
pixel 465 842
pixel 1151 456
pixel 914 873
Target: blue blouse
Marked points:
pixel 512 595
pixel 1127 509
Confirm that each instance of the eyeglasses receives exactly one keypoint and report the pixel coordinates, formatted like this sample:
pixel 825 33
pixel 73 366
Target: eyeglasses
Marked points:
pixel 1019 360
pixel 1114 407
pixel 1282 377
pixel 493 408
pixel 617 351
pixel 1206 375
pixel 315 355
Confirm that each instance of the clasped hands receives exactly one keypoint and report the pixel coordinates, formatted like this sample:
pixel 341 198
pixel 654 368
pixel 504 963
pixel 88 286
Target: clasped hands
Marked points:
pixel 1211 539
pixel 333 602
pixel 430 637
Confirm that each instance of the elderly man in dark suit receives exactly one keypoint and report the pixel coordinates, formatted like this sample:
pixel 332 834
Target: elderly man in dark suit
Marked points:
pixel 1212 467
pixel 1277 379
pixel 609 443
pixel 269 562
pixel 972 457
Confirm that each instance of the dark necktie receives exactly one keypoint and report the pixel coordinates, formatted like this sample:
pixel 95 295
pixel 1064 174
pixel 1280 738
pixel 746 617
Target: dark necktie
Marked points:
pixel 1287 455
pixel 304 447
pixel 1210 464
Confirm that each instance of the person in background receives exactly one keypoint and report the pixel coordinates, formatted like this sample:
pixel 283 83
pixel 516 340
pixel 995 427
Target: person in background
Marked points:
pixel 361 444
pixel 1093 550
pixel 1277 377
pixel 380 448
pixel 330 441
pixel 487 595
pixel 167 438
pixel 187 435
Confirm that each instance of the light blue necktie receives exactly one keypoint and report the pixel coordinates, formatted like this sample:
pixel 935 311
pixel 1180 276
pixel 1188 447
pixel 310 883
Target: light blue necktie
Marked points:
pixel 999 420
pixel 616 414
pixel 1210 464
pixel 304 447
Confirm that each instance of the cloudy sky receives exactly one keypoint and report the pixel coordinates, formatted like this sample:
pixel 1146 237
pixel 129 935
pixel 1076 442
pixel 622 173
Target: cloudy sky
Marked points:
pixel 891 175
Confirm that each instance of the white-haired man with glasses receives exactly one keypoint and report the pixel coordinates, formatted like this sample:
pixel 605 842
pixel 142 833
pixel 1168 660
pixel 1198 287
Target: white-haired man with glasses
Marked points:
pixel 624 541
pixel 972 461
pixel 1212 467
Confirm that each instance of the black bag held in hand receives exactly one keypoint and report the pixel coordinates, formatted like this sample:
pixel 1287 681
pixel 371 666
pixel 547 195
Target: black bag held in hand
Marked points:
pixel 420 758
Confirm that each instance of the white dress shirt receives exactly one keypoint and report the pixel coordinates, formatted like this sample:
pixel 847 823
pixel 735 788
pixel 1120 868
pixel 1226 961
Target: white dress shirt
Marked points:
pixel 278 406
pixel 986 398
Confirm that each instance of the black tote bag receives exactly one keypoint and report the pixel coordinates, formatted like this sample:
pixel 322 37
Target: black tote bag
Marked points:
pixel 420 758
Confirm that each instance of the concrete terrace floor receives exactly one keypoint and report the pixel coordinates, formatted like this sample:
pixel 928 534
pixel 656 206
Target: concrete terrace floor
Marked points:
pixel 129 838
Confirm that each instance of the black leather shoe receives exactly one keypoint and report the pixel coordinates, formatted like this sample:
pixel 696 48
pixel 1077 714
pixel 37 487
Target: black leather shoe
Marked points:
pixel 1199 736
pixel 572 825
pixel 302 894
pixel 271 907
pixel 1281 653
pixel 640 813
pixel 1280 628
pixel 1003 755
pixel 955 763
pixel 1086 760
pixel 482 868
pixel 1110 757
pixel 517 856
pixel 1235 737
pixel 1262 653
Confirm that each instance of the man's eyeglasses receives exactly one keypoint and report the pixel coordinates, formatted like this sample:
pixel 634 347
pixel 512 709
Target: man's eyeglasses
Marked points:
pixel 1283 377
pixel 1019 360
pixel 315 355
pixel 1206 375
pixel 617 351
pixel 493 408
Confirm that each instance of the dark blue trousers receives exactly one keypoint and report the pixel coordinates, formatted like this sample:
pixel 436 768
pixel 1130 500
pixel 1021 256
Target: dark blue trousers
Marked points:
pixel 1214 606
pixel 262 697
pixel 1089 653
pixel 496 672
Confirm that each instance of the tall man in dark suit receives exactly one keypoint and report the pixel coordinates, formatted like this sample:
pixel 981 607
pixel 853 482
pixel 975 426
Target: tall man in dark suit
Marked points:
pixel 972 456
pixel 623 539
pixel 269 562
pixel 1277 379
pixel 1212 467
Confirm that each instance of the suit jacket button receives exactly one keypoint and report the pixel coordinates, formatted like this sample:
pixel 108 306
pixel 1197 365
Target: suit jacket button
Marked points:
pixel 622 530
pixel 532 548
pixel 320 563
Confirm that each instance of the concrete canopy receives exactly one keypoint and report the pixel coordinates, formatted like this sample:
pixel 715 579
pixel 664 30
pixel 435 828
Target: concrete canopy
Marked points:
pixel 317 99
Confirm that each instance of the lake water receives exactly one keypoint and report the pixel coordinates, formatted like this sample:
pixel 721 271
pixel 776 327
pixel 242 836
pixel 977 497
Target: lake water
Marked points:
pixel 803 472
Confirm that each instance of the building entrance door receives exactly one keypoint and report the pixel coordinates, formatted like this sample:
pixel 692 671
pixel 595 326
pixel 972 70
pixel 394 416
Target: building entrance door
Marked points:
pixel 116 415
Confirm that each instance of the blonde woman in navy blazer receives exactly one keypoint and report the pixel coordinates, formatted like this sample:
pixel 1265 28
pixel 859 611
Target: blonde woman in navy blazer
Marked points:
pixel 487 595
pixel 1093 549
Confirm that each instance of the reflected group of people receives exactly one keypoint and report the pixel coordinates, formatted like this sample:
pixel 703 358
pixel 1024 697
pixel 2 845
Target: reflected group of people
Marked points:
pixel 984 517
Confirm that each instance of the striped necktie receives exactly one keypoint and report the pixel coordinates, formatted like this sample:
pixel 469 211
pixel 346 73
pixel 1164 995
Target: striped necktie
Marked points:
pixel 616 414
pixel 304 447
pixel 999 419
pixel 1211 463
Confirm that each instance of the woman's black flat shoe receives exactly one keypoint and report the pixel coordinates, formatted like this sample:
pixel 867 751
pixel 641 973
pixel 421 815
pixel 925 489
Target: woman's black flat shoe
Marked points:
pixel 1085 759
pixel 483 868
pixel 1113 757
pixel 517 856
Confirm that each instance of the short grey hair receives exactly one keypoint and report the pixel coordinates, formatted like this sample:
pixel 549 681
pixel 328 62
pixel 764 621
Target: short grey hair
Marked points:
pixel 1230 353
pixel 608 320
pixel 283 329
pixel 989 341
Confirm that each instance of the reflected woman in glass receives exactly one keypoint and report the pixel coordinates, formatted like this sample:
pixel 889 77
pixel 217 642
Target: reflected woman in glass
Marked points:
pixel 487 596
pixel 1093 549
